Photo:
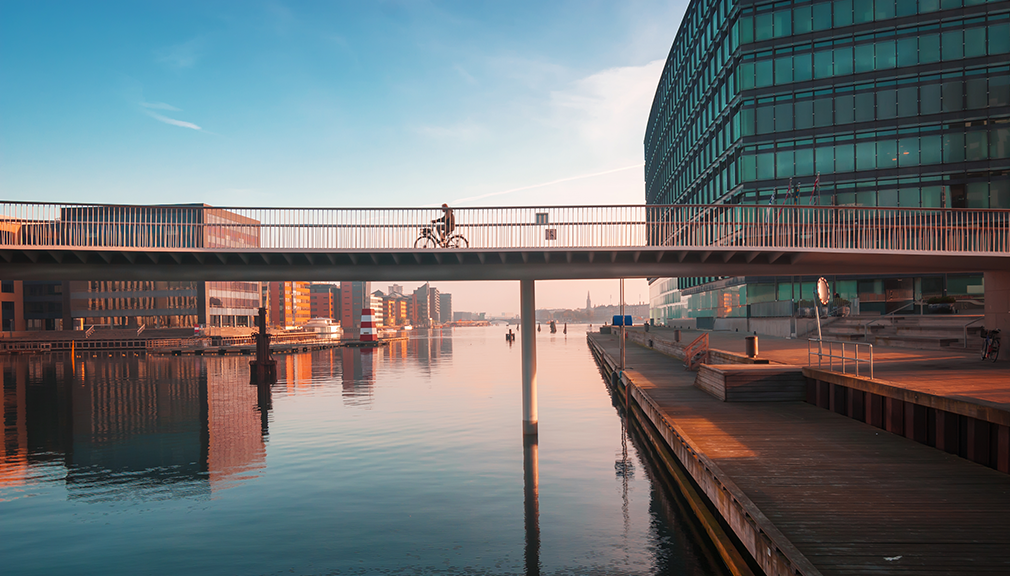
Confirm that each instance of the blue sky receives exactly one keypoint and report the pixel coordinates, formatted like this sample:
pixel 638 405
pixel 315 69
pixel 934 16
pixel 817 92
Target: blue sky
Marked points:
pixel 329 103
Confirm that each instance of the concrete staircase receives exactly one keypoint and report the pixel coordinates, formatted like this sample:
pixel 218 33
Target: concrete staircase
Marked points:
pixel 911 331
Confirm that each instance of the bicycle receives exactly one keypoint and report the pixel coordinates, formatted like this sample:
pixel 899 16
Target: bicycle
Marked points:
pixel 990 347
pixel 429 239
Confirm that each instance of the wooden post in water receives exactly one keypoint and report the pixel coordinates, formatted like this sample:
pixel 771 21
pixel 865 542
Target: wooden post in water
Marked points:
pixel 262 370
pixel 527 312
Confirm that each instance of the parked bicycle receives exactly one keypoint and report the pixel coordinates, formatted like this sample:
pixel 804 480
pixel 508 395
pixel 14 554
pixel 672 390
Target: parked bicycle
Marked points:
pixel 431 239
pixel 990 346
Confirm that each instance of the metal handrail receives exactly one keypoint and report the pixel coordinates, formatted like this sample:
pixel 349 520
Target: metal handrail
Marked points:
pixel 979 319
pixel 889 314
pixel 855 359
pixel 696 353
pixel 199 227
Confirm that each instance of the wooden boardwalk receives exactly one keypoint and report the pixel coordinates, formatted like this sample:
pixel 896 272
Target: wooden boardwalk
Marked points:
pixel 846 497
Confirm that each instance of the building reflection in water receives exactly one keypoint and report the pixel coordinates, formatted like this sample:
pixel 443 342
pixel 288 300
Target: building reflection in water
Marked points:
pixel 132 426
pixel 357 375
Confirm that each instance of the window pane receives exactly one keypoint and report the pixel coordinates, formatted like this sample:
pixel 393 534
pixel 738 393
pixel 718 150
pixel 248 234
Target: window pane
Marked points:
pixel 908 151
pixel 784 164
pixel 999 38
pixel 746 121
pixel 822 16
pixel 844 158
pixel 826 159
pixel 864 107
pixel 766 166
pixel 783 70
pixel 999 145
pixel 864 58
pixel 804 162
pixel 843 61
pixel 866 156
pixel 843 13
pixel 822 64
pixel 908 197
pixel 822 112
pixel 884 9
pixel 844 109
pixel 953 96
pixel 953 147
pixel 887 197
pixel 763 73
pixel 763 26
pixel 908 104
pixel 999 90
pixel 801 68
pixel 974 42
pixel 765 119
pixel 885 55
pixel 953 45
pixel 928 6
pixel 999 194
pixel 783 117
pixel 948 4
pixel 929 99
pixel 931 196
pixel 746 75
pixel 862 11
pixel 929 48
pixel 908 51
pixel 887 154
pixel 978 195
pixel 782 23
pixel 975 92
pixel 976 145
pixel 867 198
pixel 748 168
pixel 746 25
pixel 886 100
pixel 905 8
pixel 802 22
pixel 804 115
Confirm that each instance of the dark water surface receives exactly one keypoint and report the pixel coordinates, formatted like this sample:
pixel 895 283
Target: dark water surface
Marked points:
pixel 403 460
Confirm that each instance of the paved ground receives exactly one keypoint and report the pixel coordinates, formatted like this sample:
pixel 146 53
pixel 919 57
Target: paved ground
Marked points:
pixel 853 499
pixel 953 372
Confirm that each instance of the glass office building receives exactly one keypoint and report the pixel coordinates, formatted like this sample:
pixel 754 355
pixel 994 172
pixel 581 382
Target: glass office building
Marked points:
pixel 883 102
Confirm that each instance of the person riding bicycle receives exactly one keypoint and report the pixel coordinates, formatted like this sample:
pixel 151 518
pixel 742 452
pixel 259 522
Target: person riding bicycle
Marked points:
pixel 448 222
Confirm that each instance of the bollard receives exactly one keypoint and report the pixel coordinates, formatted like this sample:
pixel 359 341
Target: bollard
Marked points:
pixel 647 327
pixel 676 335
pixel 752 346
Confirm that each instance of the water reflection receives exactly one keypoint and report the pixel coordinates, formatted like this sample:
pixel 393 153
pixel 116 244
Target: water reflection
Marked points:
pixel 531 504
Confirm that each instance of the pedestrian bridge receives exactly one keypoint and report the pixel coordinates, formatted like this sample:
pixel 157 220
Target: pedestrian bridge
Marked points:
pixel 50 241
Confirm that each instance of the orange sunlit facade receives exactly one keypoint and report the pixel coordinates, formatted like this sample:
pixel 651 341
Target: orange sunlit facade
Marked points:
pixel 290 304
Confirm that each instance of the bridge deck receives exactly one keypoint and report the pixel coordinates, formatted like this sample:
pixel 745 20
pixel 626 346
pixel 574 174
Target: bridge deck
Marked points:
pixel 851 498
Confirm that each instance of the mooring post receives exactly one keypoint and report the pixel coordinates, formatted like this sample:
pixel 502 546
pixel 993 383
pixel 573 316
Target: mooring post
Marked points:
pixel 527 311
pixel 263 369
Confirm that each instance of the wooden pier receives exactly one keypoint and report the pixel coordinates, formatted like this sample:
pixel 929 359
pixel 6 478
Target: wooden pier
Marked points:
pixel 811 491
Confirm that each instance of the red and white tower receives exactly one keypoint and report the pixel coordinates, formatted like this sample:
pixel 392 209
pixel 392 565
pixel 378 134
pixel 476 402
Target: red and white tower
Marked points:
pixel 367 325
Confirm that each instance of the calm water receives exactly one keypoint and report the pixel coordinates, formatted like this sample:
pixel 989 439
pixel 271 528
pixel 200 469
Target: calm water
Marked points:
pixel 403 460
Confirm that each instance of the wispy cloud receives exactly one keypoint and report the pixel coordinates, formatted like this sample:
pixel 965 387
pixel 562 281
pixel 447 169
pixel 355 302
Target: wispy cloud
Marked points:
pixel 159 106
pixel 543 184
pixel 182 55
pixel 172 121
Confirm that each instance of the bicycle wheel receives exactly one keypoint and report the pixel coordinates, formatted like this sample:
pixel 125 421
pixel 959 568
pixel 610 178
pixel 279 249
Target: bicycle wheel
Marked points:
pixel 425 242
pixel 985 348
pixel 456 242
pixel 994 350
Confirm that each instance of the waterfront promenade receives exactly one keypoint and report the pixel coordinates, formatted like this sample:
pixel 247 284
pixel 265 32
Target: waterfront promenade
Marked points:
pixel 811 491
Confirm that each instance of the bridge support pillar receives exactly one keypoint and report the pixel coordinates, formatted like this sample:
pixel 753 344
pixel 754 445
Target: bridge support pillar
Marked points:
pixel 997 304
pixel 528 321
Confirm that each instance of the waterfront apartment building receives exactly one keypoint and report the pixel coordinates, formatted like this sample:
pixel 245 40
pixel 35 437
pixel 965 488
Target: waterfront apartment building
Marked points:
pixel 290 304
pixel 354 297
pixel 880 102
pixel 325 301
pixel 12 314
pixel 445 308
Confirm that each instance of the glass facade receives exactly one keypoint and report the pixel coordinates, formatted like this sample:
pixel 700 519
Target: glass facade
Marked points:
pixel 889 102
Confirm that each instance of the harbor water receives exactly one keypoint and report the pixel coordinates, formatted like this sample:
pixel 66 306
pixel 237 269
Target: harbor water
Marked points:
pixel 406 459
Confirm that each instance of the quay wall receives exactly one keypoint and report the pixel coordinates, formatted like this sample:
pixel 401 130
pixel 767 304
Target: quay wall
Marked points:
pixel 768 547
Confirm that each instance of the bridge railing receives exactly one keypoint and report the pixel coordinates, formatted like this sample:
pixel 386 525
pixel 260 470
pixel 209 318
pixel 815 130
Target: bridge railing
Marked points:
pixel 189 227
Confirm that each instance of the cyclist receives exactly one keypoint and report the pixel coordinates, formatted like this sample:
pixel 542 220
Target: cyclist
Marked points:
pixel 448 222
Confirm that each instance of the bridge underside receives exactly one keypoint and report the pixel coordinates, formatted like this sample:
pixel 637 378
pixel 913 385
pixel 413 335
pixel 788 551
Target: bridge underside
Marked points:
pixel 475 264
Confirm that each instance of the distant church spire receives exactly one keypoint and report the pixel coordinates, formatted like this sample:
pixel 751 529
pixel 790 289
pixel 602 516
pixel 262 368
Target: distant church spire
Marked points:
pixel 589 303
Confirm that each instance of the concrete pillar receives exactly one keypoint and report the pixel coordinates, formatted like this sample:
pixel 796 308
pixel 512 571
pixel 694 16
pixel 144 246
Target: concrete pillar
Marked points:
pixel 528 320
pixel 997 305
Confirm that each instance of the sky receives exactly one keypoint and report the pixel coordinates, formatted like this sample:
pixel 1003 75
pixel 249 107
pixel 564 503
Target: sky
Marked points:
pixel 341 104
